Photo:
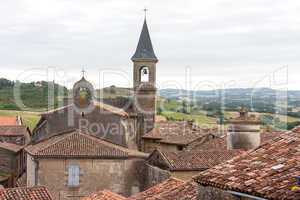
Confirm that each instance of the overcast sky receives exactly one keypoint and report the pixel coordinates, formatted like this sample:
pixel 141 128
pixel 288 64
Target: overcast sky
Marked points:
pixel 248 43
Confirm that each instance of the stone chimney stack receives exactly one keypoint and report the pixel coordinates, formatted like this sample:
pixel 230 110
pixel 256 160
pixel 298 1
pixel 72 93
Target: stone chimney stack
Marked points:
pixel 244 131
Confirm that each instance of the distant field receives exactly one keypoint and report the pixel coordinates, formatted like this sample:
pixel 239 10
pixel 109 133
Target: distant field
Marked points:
pixel 281 117
pixel 113 92
pixel 32 118
pixel 29 118
pixel 201 119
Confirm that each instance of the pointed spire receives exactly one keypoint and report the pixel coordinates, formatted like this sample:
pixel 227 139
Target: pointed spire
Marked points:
pixel 144 50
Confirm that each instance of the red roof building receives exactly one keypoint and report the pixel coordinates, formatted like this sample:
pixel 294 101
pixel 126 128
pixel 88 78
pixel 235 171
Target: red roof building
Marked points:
pixel 104 195
pixel 268 171
pixel 168 190
pixel 10 121
pixel 175 136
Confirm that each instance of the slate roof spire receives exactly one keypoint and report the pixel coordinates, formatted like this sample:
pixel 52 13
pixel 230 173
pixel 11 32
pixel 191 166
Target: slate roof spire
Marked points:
pixel 144 50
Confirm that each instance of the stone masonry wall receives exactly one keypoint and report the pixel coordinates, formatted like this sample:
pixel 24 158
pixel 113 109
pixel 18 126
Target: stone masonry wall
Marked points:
pixel 120 176
pixel 211 193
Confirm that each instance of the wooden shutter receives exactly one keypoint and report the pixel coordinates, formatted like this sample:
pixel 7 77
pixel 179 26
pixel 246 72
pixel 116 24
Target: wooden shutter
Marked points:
pixel 73 177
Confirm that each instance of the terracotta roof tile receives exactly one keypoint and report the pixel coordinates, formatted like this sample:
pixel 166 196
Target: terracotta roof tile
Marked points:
pixel 158 189
pixel 169 189
pixel 198 160
pixel 221 141
pixel 176 132
pixel 268 171
pixel 13 130
pixel 8 121
pixel 186 191
pixel 10 146
pixel 75 144
pixel 22 181
pixel 104 195
pixel 24 193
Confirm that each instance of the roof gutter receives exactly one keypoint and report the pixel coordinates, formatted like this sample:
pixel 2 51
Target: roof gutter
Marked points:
pixel 245 195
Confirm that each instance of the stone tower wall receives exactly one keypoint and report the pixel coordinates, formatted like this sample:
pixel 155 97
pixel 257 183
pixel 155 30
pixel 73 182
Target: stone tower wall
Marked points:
pixel 243 136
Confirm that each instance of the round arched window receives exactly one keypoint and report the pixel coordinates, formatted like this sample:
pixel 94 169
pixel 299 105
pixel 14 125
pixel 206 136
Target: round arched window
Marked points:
pixel 144 74
pixel 83 93
pixel 84 96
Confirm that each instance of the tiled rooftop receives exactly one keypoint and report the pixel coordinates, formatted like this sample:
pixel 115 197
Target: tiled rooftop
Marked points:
pixel 180 132
pixel 186 191
pixel 75 144
pixel 104 195
pixel 268 171
pixel 221 142
pixel 24 193
pixel 158 189
pixel 13 130
pixel 22 181
pixel 8 121
pixel 10 146
pixel 168 190
pixel 198 160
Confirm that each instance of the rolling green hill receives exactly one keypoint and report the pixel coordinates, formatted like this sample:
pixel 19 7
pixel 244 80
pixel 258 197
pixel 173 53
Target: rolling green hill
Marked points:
pixel 34 96
pixel 171 104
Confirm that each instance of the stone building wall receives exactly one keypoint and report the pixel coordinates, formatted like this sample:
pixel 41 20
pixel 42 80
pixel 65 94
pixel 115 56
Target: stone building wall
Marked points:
pixel 12 163
pixel 154 175
pixel 125 177
pixel 184 175
pixel 112 127
pixel 211 193
pixel 243 136
pixel 151 145
pixel 31 171
pixel 18 140
pixel 6 161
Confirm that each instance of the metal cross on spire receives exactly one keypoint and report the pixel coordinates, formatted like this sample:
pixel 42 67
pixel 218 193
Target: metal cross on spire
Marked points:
pixel 83 72
pixel 145 10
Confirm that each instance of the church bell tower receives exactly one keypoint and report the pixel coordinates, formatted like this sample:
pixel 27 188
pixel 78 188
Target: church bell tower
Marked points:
pixel 144 77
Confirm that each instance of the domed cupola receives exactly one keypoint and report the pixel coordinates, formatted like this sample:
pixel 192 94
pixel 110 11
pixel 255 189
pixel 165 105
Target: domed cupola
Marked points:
pixel 83 93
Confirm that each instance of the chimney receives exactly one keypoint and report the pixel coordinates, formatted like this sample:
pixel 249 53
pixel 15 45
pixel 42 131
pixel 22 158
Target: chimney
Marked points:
pixel 243 132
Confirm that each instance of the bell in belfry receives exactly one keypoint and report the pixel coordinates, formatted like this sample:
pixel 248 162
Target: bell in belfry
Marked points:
pixel 145 71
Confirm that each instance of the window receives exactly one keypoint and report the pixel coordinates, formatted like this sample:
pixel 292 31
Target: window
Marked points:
pixel 73 176
pixel 144 73
pixel 179 148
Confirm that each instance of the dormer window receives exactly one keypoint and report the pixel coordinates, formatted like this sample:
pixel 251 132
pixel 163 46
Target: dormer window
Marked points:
pixel 144 74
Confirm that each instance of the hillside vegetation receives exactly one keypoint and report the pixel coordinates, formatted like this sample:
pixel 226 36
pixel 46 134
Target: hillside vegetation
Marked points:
pixel 34 96
pixel 205 109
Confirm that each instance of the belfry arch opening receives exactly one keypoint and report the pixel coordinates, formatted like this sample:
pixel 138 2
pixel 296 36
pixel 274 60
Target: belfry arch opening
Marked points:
pixel 144 74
